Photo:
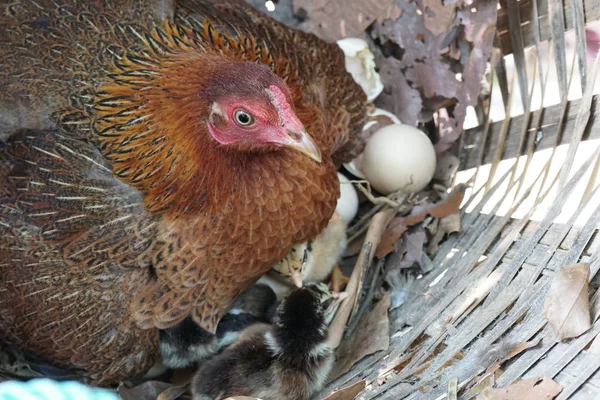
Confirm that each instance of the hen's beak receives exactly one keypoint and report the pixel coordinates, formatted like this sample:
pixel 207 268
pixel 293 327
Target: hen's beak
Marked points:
pixel 296 278
pixel 295 135
pixel 301 141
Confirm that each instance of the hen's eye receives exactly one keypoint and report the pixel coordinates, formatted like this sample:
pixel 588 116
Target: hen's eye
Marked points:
pixel 242 118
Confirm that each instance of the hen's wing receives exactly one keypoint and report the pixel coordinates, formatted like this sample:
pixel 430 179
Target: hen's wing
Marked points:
pixel 55 54
pixel 71 241
pixel 65 191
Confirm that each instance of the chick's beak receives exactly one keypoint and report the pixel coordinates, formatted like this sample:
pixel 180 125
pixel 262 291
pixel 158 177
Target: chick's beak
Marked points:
pixel 339 296
pixel 300 140
pixel 296 278
pixel 331 310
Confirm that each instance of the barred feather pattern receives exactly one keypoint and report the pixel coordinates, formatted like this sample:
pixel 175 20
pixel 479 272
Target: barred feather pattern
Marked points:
pixel 71 237
pixel 114 220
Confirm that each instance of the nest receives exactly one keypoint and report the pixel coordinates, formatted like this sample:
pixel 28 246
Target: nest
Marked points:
pixel 493 312
pixel 455 288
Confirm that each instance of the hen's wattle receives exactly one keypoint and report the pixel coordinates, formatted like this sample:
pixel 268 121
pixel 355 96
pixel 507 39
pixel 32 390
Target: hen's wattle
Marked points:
pixel 119 213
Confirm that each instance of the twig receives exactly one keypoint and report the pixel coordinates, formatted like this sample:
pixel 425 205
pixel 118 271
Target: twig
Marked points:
pixel 358 233
pixel 361 225
pixel 375 200
pixel 368 298
pixel 374 233
pixel 366 258
pixel 362 222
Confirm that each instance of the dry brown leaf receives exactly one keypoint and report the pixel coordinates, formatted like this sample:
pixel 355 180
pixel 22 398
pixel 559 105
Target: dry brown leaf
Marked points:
pixel 444 208
pixel 355 246
pixel 446 226
pixel 401 98
pixel 514 352
pixel 409 249
pixel 372 239
pixel 446 167
pixel 349 392
pixel 567 302
pixel 493 369
pixel 451 204
pixel 432 59
pixel 389 239
pixel 398 226
pixel 413 245
pixel 149 390
pixel 451 223
pixel 242 398
pixel 393 12
pixel 528 389
pixel 173 393
pixel 335 19
pixel 437 16
pixel 371 335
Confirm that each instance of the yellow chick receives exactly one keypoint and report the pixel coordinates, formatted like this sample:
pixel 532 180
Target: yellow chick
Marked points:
pixel 314 260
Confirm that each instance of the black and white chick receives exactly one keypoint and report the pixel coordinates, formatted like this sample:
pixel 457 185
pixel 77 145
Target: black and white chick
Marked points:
pixel 186 343
pixel 251 307
pixel 289 359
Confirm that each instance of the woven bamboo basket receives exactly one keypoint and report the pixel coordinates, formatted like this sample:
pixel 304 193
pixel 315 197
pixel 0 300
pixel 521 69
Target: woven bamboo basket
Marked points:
pixel 475 321
pixel 531 158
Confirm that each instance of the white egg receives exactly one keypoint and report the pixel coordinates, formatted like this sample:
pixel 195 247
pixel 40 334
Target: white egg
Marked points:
pixel 399 157
pixel 347 205
pixel 354 166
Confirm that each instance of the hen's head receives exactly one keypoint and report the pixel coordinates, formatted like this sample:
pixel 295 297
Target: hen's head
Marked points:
pixel 192 125
pixel 252 110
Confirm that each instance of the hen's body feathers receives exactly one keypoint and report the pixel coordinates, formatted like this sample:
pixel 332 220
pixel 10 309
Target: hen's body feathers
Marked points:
pixel 113 222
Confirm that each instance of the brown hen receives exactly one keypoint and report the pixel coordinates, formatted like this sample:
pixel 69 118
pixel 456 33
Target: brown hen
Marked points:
pixel 129 199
